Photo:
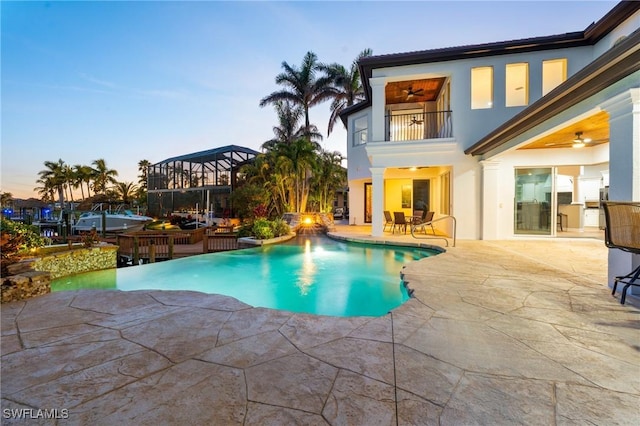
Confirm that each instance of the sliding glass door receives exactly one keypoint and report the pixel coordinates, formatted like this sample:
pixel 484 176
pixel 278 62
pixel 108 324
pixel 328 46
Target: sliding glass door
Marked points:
pixel 534 189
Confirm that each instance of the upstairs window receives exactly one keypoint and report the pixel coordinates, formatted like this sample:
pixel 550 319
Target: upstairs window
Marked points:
pixel 554 72
pixel 360 131
pixel 481 87
pixel 517 84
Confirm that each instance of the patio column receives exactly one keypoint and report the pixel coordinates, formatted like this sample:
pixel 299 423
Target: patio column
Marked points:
pixel 377 201
pixel 624 168
pixel 378 101
pixel 491 204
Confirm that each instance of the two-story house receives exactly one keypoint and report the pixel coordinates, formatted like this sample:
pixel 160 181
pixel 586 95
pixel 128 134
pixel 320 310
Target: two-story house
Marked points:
pixel 511 138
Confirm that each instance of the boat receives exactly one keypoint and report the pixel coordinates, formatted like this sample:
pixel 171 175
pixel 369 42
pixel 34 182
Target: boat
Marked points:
pixel 119 221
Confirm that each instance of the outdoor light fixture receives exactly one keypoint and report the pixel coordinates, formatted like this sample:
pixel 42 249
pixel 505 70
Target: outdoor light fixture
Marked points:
pixel 579 141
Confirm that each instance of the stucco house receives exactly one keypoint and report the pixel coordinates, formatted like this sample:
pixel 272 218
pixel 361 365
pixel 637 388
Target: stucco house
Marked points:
pixel 513 138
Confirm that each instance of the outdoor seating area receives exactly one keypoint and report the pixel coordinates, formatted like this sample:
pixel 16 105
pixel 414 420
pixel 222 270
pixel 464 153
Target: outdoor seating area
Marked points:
pixel 418 222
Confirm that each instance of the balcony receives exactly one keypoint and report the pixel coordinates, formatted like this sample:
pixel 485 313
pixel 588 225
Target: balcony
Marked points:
pixel 418 126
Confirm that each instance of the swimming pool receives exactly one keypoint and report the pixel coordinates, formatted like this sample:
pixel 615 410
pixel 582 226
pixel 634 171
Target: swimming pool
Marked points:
pixel 312 274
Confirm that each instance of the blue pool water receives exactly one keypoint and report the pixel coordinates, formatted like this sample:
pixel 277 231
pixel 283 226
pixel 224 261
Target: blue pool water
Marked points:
pixel 312 274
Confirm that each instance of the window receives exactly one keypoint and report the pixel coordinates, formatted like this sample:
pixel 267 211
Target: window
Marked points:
pixel 481 87
pixel 554 72
pixel 517 84
pixel 360 131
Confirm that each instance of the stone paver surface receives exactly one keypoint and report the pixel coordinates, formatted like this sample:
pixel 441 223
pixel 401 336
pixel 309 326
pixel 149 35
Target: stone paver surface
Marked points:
pixel 514 332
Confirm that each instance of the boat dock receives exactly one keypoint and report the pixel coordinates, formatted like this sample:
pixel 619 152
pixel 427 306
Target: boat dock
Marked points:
pixel 151 246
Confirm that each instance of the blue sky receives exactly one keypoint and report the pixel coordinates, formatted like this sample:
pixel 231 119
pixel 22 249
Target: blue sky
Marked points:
pixel 127 81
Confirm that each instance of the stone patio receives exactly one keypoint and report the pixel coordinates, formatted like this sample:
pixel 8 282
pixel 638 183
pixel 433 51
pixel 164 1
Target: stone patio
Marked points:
pixel 510 332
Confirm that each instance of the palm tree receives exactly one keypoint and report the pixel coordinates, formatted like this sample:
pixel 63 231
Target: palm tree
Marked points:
pixel 53 179
pixel 329 175
pixel 300 158
pixel 102 176
pixel 70 179
pixel 143 168
pixel 347 85
pixel 126 191
pixel 301 87
pixel 82 175
pixel 290 130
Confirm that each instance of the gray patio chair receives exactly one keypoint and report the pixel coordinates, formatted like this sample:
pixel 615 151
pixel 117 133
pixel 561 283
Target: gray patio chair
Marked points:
pixel 399 221
pixel 422 224
pixel 622 231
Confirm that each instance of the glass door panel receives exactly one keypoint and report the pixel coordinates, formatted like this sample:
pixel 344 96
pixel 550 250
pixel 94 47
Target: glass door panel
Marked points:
pixel 533 188
pixel 367 202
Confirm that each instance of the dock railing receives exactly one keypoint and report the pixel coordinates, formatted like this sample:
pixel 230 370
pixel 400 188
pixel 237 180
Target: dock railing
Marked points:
pixel 214 241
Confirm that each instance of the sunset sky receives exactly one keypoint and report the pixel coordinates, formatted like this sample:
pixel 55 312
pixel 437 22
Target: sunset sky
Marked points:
pixel 127 81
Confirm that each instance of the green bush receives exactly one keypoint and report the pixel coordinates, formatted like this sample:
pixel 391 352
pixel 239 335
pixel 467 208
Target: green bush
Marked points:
pixel 280 227
pixel 262 229
pixel 17 236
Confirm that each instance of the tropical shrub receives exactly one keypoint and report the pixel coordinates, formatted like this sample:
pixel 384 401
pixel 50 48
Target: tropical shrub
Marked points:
pixel 262 229
pixel 16 237
pixel 280 227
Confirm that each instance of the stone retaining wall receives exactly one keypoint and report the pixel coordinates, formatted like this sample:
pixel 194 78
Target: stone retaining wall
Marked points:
pixel 25 286
pixel 32 277
pixel 77 261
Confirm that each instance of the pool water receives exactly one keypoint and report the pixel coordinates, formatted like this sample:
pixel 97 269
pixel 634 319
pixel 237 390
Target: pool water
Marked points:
pixel 312 274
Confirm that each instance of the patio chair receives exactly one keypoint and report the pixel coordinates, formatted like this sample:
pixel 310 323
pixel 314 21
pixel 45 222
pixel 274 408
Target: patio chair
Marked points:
pixel 399 221
pixel 388 220
pixel 418 216
pixel 427 217
pixel 622 231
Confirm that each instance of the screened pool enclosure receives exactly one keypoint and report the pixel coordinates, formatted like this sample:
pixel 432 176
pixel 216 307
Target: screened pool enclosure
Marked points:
pixel 197 183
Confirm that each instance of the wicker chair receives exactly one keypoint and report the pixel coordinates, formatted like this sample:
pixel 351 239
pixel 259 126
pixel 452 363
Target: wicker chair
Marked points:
pixel 623 232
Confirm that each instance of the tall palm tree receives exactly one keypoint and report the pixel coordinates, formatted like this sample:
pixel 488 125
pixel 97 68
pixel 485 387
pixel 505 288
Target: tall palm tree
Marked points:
pixel 53 179
pixel 347 85
pixel 102 176
pixel 143 168
pixel 70 178
pixel 301 86
pixel 82 175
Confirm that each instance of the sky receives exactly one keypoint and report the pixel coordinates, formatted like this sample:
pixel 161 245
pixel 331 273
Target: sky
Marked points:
pixel 126 81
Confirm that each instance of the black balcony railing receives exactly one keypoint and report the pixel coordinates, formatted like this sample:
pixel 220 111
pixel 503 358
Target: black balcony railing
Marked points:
pixel 417 126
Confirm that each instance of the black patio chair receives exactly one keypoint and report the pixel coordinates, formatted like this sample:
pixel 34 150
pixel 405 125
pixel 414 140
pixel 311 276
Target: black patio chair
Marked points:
pixel 622 231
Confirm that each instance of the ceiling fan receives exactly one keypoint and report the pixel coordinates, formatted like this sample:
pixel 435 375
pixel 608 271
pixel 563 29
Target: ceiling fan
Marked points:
pixel 577 142
pixel 410 93
pixel 414 120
